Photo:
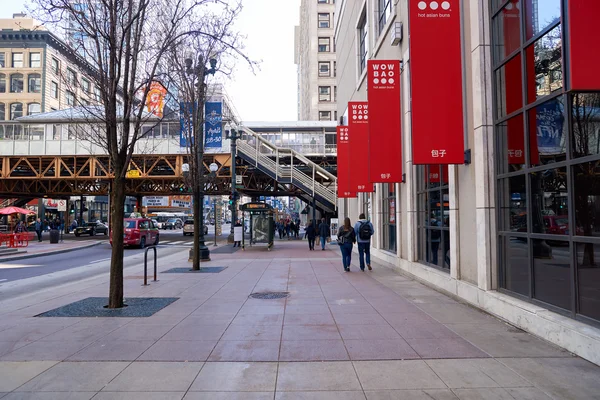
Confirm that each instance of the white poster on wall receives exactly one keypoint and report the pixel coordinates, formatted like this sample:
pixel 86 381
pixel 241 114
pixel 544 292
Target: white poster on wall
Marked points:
pixel 155 201
pixel 237 233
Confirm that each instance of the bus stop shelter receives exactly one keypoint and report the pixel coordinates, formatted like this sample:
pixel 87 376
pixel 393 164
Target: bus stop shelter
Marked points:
pixel 262 224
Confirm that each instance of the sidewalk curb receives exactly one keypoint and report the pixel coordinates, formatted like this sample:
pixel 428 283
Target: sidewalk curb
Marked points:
pixel 48 253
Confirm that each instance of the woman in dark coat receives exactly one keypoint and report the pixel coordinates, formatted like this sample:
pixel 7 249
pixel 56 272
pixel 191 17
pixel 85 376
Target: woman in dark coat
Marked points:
pixel 346 239
pixel 311 234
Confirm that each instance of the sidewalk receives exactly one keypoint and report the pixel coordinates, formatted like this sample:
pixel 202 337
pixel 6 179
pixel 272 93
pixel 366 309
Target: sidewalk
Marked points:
pixel 45 248
pixel 358 335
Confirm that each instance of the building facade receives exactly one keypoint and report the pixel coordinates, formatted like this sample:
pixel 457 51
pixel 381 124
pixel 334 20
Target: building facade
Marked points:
pixel 38 72
pixel 516 231
pixel 316 61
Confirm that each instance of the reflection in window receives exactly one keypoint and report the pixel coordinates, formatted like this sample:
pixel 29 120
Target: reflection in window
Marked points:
pixel 385 10
pixel 35 83
pixel 549 202
pixel 70 97
pixel 389 216
pixel 324 45
pixel 2 83
pixel 551 273
pixel 506 28
pixel 511 151
pixel 324 93
pixel 324 115
pixel 323 20
pixel 544 62
pixel 585 120
pixel 2 60
pixel 587 198
pixel 588 272
pixel 16 110
pixel 35 60
pixel 324 68
pixel 34 108
pixel 2 112
pixel 513 204
pixel 17 60
pixel 539 15
pixel 547 132
pixel 362 44
pixel 516 264
pixel 16 83
pixel 509 87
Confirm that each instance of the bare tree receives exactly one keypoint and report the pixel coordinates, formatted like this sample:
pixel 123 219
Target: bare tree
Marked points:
pixel 125 42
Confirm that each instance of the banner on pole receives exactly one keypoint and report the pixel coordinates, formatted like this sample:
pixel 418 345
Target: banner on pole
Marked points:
pixel 213 131
pixel 583 62
pixel 385 132
pixel 343 163
pixel 358 125
pixel 436 82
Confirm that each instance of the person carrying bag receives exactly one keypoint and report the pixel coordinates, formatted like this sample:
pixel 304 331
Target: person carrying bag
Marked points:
pixel 346 239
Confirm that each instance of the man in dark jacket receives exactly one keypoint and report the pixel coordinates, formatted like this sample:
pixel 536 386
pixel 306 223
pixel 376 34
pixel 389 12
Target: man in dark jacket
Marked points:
pixel 364 230
pixel 324 232
pixel 38 229
pixel 310 232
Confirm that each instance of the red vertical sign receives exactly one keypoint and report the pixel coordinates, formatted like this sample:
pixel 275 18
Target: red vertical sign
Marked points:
pixel 385 132
pixel 343 163
pixel 436 82
pixel 584 57
pixel 358 124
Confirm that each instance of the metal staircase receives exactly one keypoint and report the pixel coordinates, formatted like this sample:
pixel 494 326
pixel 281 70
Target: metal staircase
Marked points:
pixel 288 166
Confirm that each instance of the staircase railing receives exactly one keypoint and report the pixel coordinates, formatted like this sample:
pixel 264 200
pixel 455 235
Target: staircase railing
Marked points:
pixel 284 164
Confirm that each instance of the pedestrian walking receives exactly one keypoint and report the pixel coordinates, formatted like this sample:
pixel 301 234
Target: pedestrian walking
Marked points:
pixel 310 233
pixel 346 238
pixel 19 230
pixel 435 235
pixel 287 228
pixel 292 228
pixel 324 233
pixel 365 230
pixel 38 229
pixel 280 228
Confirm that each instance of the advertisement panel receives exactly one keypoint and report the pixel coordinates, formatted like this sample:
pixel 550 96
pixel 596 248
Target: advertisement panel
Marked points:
pixel 155 100
pixel 343 159
pixel 155 201
pixel 436 82
pixel 213 132
pixel 583 30
pixel 358 125
pixel 181 201
pixel 385 132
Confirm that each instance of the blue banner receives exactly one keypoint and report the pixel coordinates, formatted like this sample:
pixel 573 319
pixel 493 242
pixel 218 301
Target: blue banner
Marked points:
pixel 549 121
pixel 185 123
pixel 213 131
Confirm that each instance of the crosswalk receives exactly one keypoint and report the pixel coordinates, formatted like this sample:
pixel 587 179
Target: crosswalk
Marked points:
pixel 175 243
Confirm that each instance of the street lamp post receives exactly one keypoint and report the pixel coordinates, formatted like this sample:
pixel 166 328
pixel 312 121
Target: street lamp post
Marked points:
pixel 232 133
pixel 213 167
pixel 200 72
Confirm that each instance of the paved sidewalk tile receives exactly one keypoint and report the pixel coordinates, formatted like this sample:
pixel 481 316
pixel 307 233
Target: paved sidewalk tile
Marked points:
pixel 15 374
pixel 108 350
pixel 236 377
pixel 49 396
pixel 478 373
pixel 380 349
pixel 155 377
pixel 139 396
pixel 427 394
pixel 324 376
pixel 46 351
pixel 411 374
pixel 313 350
pixel 445 348
pixel 246 350
pixel 179 350
pixel 229 396
pixel 76 376
pixel 319 395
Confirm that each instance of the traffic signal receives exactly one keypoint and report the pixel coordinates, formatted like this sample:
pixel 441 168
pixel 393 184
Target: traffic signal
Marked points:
pixel 230 200
pixel 72 209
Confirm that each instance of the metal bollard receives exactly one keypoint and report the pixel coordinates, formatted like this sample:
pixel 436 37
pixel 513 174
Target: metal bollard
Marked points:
pixel 146 265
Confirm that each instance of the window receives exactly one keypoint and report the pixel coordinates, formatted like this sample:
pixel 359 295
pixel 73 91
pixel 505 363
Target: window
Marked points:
pixel 433 215
pixel 35 83
pixel 2 83
pixel 70 97
pixel 335 68
pixel 16 110
pixel 323 1
pixel 2 112
pixel 34 108
pixel 323 20
pixel 55 65
pixel 362 43
pixel 389 216
pixel 324 45
pixel 324 93
pixel 35 60
pixel 85 85
pixel 54 90
pixel 324 115
pixel 2 60
pixel 324 69
pixel 71 78
pixel 335 94
pixel 17 60
pixel 16 83
pixel 97 94
pixel 385 10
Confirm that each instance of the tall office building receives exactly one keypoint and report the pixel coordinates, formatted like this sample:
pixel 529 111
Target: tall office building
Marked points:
pixel 315 58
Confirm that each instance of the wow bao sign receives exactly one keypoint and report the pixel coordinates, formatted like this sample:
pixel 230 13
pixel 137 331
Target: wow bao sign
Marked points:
pixel 344 189
pixel 358 125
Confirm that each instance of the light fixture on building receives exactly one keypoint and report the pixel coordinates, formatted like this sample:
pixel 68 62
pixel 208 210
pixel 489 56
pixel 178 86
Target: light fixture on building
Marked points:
pixel 396 33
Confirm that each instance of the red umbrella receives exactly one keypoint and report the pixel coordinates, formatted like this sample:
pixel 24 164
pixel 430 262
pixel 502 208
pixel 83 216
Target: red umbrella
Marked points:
pixel 15 210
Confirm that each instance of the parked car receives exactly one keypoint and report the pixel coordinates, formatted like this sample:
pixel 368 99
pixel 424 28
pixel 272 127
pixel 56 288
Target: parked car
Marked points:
pixel 91 228
pixel 173 223
pixel 188 228
pixel 139 232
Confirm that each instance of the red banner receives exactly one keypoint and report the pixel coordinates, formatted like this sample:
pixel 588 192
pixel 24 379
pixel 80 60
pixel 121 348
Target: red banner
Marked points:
pixel 435 171
pixel 343 163
pixel 436 82
pixel 358 124
pixel 583 33
pixel 385 132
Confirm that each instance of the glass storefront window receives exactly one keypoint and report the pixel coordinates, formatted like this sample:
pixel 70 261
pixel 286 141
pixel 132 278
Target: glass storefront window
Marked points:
pixel 389 217
pixel 539 15
pixel 515 261
pixel 549 202
pixel 587 199
pixel 543 61
pixel 588 273
pixel 547 133
pixel 585 124
pixel 511 154
pixel 509 92
pixel 552 272
pixel 506 28
pixel 513 204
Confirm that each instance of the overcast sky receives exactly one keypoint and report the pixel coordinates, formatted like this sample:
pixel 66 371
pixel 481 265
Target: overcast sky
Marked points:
pixel 270 95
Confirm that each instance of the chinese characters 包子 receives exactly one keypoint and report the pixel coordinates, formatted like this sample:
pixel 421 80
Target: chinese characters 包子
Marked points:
pixel 515 153
pixel 440 153
pixel 386 176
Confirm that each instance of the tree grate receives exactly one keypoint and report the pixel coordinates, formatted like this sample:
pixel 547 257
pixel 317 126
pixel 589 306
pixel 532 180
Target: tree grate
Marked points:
pixel 270 295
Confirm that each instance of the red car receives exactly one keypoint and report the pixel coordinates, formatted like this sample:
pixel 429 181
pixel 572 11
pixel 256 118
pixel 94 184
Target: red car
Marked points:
pixel 139 232
pixel 559 225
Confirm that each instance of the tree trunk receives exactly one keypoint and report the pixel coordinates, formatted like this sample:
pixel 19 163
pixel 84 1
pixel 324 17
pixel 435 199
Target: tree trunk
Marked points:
pixel 198 208
pixel 117 212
